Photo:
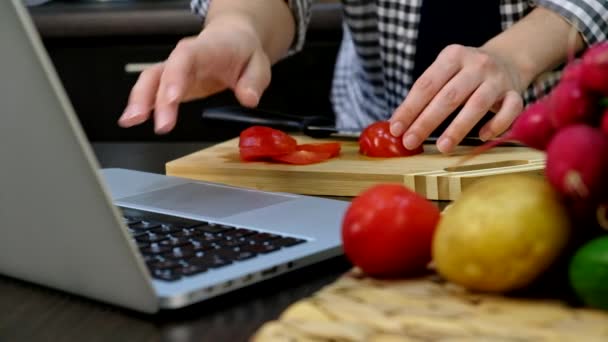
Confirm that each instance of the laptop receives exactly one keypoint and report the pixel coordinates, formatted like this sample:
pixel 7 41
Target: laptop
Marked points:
pixel 142 241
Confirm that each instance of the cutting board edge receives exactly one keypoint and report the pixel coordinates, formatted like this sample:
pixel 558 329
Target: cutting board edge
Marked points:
pixel 439 184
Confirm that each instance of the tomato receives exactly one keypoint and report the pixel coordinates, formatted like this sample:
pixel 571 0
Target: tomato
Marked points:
pixel 303 157
pixel 256 153
pixel 260 141
pixel 333 148
pixel 387 231
pixel 376 140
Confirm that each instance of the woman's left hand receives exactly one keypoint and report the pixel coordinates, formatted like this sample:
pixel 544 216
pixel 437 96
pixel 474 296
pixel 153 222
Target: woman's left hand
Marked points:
pixel 472 77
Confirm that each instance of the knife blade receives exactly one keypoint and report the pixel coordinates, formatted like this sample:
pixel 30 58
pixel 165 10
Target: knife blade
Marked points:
pixel 315 126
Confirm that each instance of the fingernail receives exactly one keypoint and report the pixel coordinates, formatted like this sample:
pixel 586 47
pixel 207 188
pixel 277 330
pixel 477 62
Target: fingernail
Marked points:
pixel 252 96
pixel 397 128
pixel 411 141
pixel 485 134
pixel 162 126
pixel 172 94
pixel 131 115
pixel 445 144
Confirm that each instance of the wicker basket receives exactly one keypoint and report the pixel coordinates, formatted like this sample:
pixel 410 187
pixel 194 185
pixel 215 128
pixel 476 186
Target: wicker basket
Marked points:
pixel 358 308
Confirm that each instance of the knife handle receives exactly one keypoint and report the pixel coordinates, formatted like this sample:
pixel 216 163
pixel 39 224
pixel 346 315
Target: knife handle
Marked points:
pixel 255 116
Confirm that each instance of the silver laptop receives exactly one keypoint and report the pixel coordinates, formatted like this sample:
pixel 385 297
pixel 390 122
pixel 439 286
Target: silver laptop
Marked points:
pixel 138 240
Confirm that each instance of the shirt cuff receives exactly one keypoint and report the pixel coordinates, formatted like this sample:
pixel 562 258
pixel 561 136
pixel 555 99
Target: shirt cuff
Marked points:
pixel 300 9
pixel 200 7
pixel 590 17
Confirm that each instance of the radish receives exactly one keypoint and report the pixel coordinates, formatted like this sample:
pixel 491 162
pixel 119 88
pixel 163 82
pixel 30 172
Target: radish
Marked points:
pixel 594 73
pixel 573 71
pixel 532 128
pixel 569 103
pixel 577 163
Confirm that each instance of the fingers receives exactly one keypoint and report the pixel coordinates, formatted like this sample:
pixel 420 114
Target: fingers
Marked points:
pixel 452 95
pixel 254 80
pixel 512 105
pixel 422 92
pixel 142 97
pixel 474 109
pixel 173 84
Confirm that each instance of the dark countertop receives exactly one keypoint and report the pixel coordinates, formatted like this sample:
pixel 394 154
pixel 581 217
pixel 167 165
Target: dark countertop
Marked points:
pixel 78 18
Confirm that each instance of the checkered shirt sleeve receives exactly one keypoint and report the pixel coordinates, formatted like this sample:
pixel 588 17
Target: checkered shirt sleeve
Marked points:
pixel 590 17
pixel 301 10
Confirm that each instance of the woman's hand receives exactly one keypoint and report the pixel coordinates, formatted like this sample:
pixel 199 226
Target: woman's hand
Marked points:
pixel 490 78
pixel 227 54
pixel 475 78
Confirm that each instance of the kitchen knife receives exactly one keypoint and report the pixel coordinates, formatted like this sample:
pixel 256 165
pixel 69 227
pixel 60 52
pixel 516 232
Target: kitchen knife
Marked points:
pixel 316 126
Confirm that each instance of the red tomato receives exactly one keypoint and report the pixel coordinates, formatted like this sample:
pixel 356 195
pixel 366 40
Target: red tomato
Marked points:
pixel 333 148
pixel 303 157
pixel 388 230
pixel 256 153
pixel 260 141
pixel 376 140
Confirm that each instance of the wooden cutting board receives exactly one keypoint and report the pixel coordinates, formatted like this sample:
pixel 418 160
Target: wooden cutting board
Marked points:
pixel 431 174
pixel 356 308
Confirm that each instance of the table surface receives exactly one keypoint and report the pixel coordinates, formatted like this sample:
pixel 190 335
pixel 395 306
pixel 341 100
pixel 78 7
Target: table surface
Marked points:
pixel 33 313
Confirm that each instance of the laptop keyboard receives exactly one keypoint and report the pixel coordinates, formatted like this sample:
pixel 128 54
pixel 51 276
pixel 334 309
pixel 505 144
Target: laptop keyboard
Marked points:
pixel 175 247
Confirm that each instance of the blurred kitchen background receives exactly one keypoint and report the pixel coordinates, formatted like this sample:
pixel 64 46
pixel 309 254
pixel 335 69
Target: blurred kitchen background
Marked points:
pixel 99 46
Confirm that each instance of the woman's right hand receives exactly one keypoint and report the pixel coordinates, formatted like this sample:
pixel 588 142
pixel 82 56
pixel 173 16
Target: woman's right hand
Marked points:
pixel 227 54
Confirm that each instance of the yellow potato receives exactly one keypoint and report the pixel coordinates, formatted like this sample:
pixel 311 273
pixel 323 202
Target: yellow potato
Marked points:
pixel 501 233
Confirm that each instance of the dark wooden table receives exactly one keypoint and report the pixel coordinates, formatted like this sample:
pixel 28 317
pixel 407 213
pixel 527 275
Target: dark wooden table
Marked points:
pixel 32 313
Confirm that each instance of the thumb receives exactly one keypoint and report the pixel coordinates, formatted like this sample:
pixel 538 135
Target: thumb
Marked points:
pixel 254 79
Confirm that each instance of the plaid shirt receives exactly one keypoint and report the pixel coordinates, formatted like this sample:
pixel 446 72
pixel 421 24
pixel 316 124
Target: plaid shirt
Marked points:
pixel 376 58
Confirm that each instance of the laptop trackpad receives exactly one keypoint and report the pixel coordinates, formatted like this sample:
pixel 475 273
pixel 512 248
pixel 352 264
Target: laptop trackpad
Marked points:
pixel 205 200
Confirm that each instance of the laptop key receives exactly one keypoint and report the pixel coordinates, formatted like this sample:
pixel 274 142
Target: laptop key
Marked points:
pixel 230 243
pixel 209 261
pixel 136 233
pixel 261 237
pixel 150 238
pixel 166 229
pixel 156 249
pixel 206 238
pixel 244 255
pixel 141 245
pixel 186 233
pixel 167 275
pixel 239 232
pixel 180 254
pixel 231 254
pixel 196 247
pixel 213 228
pixel 260 248
pixel 163 265
pixel 174 242
pixel 178 222
pixel 130 220
pixel 144 225
pixel 191 270
pixel 148 258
